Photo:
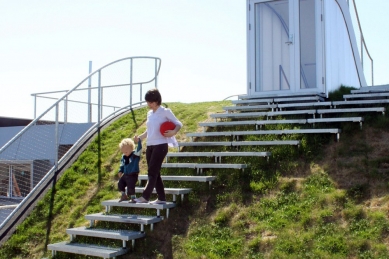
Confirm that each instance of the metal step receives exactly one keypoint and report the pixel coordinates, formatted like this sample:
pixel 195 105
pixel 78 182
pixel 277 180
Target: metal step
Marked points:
pixel 240 143
pixel 216 154
pixel 124 218
pixel 115 203
pixel 272 122
pixel 281 95
pixel 365 95
pixel 267 101
pixel 251 122
pixel 359 102
pixel 173 191
pixel 238 115
pixel 371 89
pixel 308 104
pixel 341 119
pixel 351 110
pixel 299 99
pixel 124 235
pixel 250 107
pixel 199 165
pixel 182 178
pixel 260 114
pixel 86 249
pixel 263 132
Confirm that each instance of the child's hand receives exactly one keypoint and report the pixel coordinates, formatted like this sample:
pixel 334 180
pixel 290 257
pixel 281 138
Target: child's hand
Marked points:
pixel 120 174
pixel 136 139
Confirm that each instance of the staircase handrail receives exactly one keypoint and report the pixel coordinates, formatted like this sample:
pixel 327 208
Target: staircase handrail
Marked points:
pixel 59 162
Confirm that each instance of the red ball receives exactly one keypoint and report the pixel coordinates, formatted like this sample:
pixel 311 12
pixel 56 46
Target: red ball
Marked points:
pixel 167 125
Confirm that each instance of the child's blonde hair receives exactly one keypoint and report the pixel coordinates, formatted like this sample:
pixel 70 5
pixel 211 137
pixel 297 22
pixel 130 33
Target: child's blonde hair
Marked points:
pixel 127 142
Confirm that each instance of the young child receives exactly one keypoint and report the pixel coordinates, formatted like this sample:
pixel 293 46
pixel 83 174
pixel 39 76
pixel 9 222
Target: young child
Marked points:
pixel 129 167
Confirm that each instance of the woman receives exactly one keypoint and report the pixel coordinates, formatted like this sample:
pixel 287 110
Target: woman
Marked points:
pixel 157 145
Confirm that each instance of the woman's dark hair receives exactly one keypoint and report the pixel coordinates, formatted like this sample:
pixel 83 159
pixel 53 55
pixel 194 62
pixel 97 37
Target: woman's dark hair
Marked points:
pixel 153 95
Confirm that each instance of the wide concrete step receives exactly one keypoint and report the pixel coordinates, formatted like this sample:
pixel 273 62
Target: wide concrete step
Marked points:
pixel 124 235
pixel 87 249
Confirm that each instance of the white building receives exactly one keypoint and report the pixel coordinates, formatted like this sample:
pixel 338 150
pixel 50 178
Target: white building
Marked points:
pixel 301 46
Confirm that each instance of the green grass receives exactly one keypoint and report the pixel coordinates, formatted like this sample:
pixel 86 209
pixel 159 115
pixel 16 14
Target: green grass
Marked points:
pixel 322 200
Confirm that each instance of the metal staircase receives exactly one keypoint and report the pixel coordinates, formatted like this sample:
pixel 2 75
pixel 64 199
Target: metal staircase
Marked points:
pixel 215 149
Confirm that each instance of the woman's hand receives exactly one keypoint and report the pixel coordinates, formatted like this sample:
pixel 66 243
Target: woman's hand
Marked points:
pixel 170 133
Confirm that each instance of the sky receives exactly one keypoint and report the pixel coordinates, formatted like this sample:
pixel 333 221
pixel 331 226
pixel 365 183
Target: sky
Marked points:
pixel 46 45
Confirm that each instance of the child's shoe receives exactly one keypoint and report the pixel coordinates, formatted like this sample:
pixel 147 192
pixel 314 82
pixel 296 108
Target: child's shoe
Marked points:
pixel 123 197
pixel 132 200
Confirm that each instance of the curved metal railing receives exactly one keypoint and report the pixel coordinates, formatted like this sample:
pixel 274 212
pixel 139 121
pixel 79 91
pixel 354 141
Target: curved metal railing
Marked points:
pixel 363 44
pixel 50 140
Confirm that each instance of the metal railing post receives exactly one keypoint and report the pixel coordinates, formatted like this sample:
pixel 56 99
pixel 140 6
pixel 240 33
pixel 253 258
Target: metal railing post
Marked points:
pixel 10 189
pixel 140 92
pixel 65 119
pixel 363 44
pixel 99 111
pixel 131 64
pixel 362 50
pixel 56 142
pixel 34 106
pixel 89 94
pixel 156 73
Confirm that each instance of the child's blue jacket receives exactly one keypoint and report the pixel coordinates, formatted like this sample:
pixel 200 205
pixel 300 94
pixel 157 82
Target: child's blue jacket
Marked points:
pixel 134 158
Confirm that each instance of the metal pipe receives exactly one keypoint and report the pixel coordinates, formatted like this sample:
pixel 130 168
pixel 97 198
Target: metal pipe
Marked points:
pixel 34 106
pixel 89 94
pixel 99 98
pixel 140 92
pixel 131 64
pixel 56 142
pixel 65 119
pixel 156 73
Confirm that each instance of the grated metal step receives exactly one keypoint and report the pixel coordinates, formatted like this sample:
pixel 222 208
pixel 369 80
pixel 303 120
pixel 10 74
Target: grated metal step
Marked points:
pixel 86 249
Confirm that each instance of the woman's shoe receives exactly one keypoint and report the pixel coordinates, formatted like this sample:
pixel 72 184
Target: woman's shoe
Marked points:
pixel 157 202
pixel 141 200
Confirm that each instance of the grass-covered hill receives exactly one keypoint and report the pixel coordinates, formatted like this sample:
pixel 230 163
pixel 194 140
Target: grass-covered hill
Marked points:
pixel 326 199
